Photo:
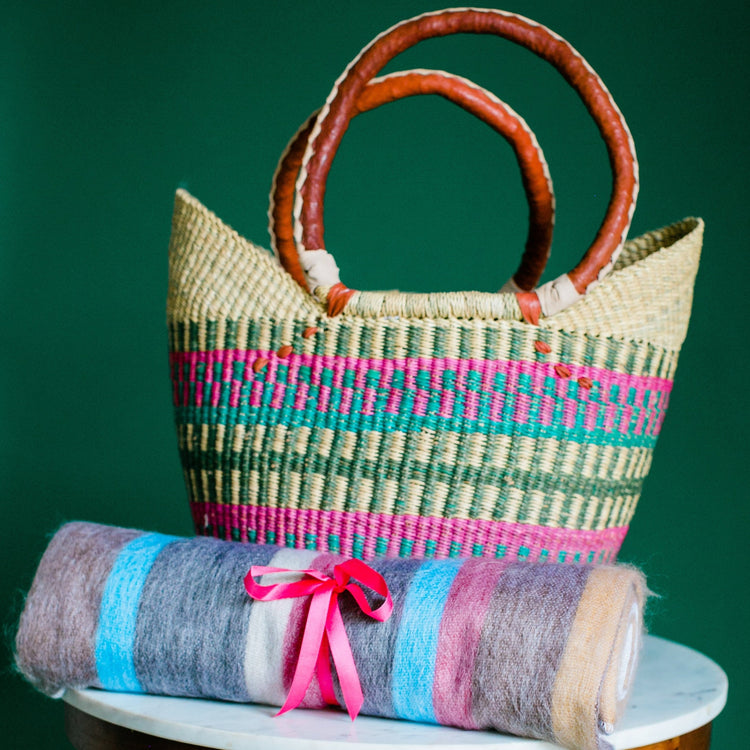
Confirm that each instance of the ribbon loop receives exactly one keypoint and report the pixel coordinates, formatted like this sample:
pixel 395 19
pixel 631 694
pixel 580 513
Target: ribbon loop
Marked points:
pixel 324 637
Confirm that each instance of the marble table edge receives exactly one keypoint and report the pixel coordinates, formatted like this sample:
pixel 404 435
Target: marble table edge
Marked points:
pixel 95 702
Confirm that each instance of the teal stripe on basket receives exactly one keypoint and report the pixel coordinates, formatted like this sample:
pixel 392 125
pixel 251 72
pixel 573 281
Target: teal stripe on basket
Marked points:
pixel 491 397
pixel 119 612
pixel 417 641
pixel 600 434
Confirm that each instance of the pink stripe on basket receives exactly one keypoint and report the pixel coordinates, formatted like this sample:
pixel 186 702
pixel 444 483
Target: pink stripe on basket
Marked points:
pixel 357 534
pixel 338 365
pixel 647 392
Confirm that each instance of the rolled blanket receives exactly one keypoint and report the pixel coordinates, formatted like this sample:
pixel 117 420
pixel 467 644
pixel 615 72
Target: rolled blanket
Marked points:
pixel 534 649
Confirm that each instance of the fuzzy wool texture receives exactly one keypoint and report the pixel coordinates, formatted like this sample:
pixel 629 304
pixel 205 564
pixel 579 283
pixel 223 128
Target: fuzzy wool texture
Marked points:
pixel 374 655
pixel 63 607
pixel 193 619
pixel 523 637
pixel 534 649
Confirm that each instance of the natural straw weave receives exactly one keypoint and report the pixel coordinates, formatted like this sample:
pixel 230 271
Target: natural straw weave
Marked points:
pixel 419 425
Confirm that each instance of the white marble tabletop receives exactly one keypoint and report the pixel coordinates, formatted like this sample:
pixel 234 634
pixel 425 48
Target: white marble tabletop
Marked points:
pixel 676 691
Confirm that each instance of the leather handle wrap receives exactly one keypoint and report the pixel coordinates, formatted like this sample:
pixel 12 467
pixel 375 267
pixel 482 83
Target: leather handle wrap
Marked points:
pixel 474 99
pixel 334 118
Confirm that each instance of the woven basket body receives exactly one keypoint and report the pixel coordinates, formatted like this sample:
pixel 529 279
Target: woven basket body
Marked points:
pixel 419 425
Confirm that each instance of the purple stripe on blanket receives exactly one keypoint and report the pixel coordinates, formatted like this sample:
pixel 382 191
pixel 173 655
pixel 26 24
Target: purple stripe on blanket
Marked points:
pixel 374 643
pixel 209 611
pixel 72 575
pixel 458 641
pixel 518 656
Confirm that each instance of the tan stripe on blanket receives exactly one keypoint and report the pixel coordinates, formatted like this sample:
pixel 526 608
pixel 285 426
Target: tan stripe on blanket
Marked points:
pixel 598 644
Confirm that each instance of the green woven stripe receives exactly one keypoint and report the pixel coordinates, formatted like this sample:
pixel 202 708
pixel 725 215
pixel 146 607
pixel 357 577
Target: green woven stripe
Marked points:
pixel 270 466
pixel 590 470
pixel 407 421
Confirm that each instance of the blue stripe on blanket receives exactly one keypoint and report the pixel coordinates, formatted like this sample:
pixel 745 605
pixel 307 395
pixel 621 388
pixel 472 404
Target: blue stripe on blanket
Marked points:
pixel 119 611
pixel 416 645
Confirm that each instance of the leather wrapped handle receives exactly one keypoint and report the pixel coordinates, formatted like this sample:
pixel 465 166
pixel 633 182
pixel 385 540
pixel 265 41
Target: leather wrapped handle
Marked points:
pixel 474 99
pixel 333 120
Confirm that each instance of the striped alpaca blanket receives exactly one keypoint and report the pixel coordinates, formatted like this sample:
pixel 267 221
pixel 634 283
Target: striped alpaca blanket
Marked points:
pixel 539 650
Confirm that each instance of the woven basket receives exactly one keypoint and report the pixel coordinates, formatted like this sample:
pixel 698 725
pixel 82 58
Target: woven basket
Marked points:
pixel 519 424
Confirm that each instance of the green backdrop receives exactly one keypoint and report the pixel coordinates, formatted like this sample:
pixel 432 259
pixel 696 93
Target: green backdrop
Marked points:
pixel 107 107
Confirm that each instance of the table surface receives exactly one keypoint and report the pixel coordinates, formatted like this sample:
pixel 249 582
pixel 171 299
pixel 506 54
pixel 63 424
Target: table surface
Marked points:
pixel 676 690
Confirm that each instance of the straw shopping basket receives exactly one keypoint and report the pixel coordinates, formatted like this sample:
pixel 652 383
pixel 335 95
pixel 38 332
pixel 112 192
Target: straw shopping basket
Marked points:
pixel 517 424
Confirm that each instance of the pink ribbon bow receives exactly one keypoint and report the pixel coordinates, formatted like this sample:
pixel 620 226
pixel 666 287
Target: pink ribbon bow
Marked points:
pixel 324 634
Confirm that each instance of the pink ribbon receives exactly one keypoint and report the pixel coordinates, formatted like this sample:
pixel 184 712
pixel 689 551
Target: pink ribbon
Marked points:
pixel 324 634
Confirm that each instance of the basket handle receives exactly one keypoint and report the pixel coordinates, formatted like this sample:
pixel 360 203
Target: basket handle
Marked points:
pixel 476 100
pixel 334 118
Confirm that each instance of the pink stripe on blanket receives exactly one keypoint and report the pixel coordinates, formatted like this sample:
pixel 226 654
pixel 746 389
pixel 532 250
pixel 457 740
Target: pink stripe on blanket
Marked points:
pixel 293 638
pixel 458 641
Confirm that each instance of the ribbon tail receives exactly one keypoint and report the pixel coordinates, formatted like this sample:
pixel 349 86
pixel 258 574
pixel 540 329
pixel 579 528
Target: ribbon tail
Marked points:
pixel 308 654
pixel 325 678
pixel 344 661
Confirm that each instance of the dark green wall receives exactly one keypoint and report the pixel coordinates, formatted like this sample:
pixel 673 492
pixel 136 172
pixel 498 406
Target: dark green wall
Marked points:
pixel 107 107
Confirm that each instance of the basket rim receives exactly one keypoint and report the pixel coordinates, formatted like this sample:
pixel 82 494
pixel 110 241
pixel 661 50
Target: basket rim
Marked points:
pixel 464 305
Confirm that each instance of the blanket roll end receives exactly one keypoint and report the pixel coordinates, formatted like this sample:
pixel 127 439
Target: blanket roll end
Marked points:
pixel 599 662
pixel 55 641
